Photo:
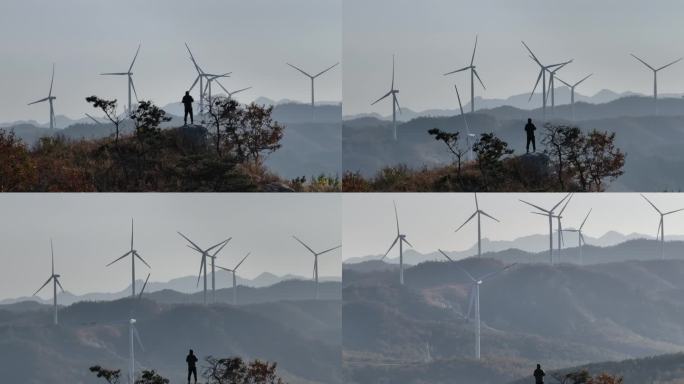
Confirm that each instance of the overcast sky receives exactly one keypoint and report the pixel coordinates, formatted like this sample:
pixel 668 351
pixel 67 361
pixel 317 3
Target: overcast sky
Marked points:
pixel 429 219
pixel 251 38
pixel 90 230
pixel 432 37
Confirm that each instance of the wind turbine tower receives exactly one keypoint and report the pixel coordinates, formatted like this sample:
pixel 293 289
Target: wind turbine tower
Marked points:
pixel 133 253
pixel 233 271
pixel 655 77
pixel 395 103
pixel 572 93
pixel 661 225
pixel 479 213
pixel 313 78
pixel 55 282
pixel 129 75
pixel 550 214
pixel 401 239
pixel 315 255
pixel 50 99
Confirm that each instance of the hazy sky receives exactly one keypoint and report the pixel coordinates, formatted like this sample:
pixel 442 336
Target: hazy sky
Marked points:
pixel 429 219
pixel 251 38
pixel 90 230
pixel 432 37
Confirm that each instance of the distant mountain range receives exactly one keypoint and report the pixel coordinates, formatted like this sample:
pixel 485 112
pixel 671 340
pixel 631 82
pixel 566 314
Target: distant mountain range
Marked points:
pixel 182 286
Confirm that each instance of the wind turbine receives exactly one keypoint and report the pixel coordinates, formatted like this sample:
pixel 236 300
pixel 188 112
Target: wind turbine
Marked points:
pixel 572 93
pixel 201 77
pixel 233 271
pixel 313 77
pixel 465 119
pixel 401 239
pixel 129 74
pixel 230 94
pixel 98 122
pixel 478 212
pixel 133 254
pixel 315 254
pixel 559 218
pixel 395 103
pixel 580 237
pixel 475 297
pixel 132 334
pixel 552 84
pixel 50 100
pixel 655 77
pixel 203 264
pixel 661 225
pixel 550 214
pixel 55 282
pixel 473 75
pixel 542 75
pixel 210 79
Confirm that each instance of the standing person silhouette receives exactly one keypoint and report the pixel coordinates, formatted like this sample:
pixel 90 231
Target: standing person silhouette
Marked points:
pixel 187 102
pixel 539 375
pixel 192 365
pixel 530 128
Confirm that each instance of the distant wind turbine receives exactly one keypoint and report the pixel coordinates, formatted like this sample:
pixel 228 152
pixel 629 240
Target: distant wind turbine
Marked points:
pixel 132 334
pixel 542 75
pixel 661 225
pixel 559 220
pixel 315 255
pixel 469 153
pixel 98 122
pixel 395 103
pixel 233 271
pixel 313 77
pixel 580 238
pixel 552 85
pixel 133 254
pixel 129 74
pixel 55 282
pixel 655 77
pixel 479 213
pixel 550 214
pixel 50 99
pixel 401 239
pixel 474 297
pixel 203 264
pixel 572 93
pixel 473 75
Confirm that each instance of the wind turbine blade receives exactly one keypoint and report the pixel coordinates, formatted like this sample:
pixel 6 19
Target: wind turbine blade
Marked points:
pixel 124 255
pixel 219 249
pixel 59 284
pixel 562 200
pixel 478 79
pixel 652 205
pixel 224 268
pixel 490 216
pixel 466 222
pixel 43 286
pixel 660 225
pixel 190 241
pixel 585 220
pixel 390 248
pixel 300 70
pixel 541 214
pixel 466 272
pixel 396 101
pixel 52 257
pixel 238 91
pixel 195 82
pixel 535 206
pixel 134 58
pixel 472 59
pixel 456 71
pixel 243 259
pixel 304 244
pixel 565 205
pixel 586 77
pixel 331 249
pixel 52 80
pixel 199 276
pixel 564 83
pixel 224 89
pixel 396 216
pixel 326 70
pixel 134 91
pixel 382 98
pixel 460 106
pixel 675 211
pixel 536 84
pixel 642 62
pixel 93 119
pixel 582 238
pixel 477 204
pixel 471 303
pixel 114 74
pixel 531 54
pixel 407 242
pixel 672 63
pixel 141 259
pixel 39 101
pixel 392 88
pixel 137 337
pixel 445 255
pixel 143 287
pixel 492 274
pixel 226 241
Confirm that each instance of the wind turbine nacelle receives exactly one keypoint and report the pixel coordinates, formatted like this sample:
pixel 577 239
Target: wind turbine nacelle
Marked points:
pixel 57 276
pixel 132 321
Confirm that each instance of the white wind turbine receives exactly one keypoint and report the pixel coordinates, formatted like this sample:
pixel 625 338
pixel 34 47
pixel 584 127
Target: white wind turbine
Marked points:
pixel 50 99
pixel 230 94
pixel 559 219
pixel 479 213
pixel 315 255
pixel 210 79
pixel 550 214
pixel 580 238
pixel 542 75
pixel 661 225
pixel 395 102
pixel 469 135
pixel 473 75
pixel 572 93
pixel 132 334
pixel 233 271
pixel 655 77
pixel 474 297
pixel 401 239
pixel 313 77
pixel 203 264
pixel 129 74
pixel 201 77
pixel 133 254
pixel 552 84
pixel 55 282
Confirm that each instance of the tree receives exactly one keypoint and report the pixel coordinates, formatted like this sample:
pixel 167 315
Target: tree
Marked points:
pixel 490 151
pixel 17 168
pixel 110 376
pixel 583 377
pixel 226 113
pixel 561 141
pixel 108 107
pixel 234 370
pixel 451 142
pixel 151 377
pixel 257 133
pixel 603 160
